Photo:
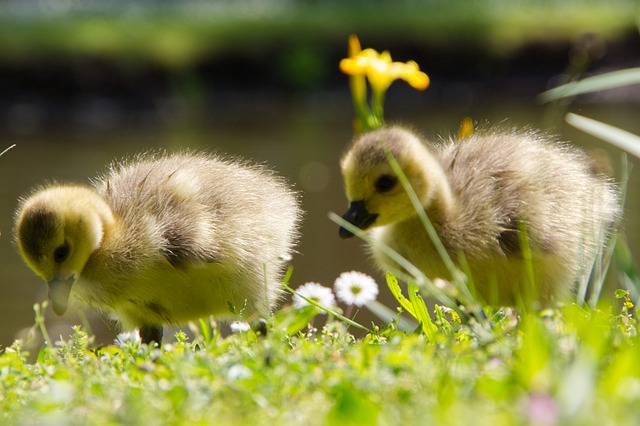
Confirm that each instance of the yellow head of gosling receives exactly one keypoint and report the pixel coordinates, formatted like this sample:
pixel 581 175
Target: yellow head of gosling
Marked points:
pixel 375 194
pixel 163 239
pixel 57 230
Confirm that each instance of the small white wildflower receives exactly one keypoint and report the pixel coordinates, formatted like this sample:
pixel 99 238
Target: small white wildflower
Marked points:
pixel 61 392
pixel 316 292
pixel 127 337
pixel 239 372
pixel 239 326
pixel 441 284
pixel 356 288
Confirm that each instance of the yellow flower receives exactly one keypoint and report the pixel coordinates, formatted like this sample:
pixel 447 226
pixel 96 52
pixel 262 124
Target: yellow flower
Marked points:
pixel 359 63
pixel 381 71
pixel 354 46
pixel 466 128
pixel 416 78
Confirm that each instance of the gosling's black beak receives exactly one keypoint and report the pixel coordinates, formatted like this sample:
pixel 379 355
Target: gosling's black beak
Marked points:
pixel 359 216
pixel 59 291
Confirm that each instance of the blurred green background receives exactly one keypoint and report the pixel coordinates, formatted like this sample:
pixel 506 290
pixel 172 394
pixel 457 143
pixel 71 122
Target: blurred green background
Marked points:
pixel 86 82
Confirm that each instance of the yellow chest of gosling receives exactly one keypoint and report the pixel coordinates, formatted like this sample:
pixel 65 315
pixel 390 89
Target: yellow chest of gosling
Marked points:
pixel 163 239
pixel 481 194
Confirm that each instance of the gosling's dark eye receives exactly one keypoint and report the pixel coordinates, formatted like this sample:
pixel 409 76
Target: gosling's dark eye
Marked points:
pixel 385 183
pixel 61 253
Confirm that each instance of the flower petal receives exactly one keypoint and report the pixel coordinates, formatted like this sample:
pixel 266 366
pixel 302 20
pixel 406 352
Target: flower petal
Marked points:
pixel 354 46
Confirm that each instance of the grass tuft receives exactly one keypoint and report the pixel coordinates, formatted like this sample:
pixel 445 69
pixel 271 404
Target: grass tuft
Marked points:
pixel 574 365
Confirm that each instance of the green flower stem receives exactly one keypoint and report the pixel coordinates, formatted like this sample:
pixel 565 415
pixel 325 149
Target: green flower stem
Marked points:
pixel 358 87
pixel 377 103
pixel 39 320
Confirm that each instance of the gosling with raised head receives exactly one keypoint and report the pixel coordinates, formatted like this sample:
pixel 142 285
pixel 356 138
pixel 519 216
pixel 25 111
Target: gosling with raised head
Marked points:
pixel 480 194
pixel 163 239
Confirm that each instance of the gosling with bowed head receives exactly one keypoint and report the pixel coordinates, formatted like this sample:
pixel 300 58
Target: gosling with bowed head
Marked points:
pixel 480 194
pixel 163 239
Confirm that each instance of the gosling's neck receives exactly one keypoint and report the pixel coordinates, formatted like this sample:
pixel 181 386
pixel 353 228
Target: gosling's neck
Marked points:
pixel 437 197
pixel 99 216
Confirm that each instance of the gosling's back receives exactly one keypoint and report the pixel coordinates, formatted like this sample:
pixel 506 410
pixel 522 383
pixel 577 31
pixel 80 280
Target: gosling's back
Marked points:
pixel 196 235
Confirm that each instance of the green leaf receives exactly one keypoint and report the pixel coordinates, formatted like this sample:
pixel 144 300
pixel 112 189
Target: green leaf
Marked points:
pixel 392 283
pixel 294 320
pixel 353 407
pixel 421 313
pixel 621 294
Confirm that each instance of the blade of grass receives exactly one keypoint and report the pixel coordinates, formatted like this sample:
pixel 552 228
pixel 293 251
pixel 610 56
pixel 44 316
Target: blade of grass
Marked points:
pixel 414 272
pixel 387 315
pixel 608 247
pixel 458 277
pixel 408 266
pixel 324 308
pixel 426 222
pixel 596 83
pixel 611 134
pixel 7 149
pixel 629 143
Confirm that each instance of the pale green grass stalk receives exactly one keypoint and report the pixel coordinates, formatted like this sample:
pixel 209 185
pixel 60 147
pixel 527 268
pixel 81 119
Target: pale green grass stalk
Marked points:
pixel 608 246
pixel 414 273
pixel 7 149
pixel 629 143
pixel 527 256
pixel 327 309
pixel 455 273
pixel 459 279
pixel 39 321
pixel 610 80
pixel 615 136
pixel 389 315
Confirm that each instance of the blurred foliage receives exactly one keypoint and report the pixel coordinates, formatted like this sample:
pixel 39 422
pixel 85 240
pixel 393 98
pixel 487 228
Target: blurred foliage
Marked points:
pixel 178 34
pixel 571 366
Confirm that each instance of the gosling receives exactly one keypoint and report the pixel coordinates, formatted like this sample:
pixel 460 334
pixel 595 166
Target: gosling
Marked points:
pixel 163 239
pixel 486 197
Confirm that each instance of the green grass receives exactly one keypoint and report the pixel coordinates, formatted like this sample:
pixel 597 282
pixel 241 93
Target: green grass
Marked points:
pixel 571 366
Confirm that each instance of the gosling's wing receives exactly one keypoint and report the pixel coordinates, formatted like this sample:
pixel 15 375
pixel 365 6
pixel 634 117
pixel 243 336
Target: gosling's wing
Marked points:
pixel 159 202
pixel 188 239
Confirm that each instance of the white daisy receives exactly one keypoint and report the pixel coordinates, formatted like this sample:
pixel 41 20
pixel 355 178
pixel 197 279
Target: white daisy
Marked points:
pixel 239 326
pixel 316 292
pixel 355 288
pixel 127 337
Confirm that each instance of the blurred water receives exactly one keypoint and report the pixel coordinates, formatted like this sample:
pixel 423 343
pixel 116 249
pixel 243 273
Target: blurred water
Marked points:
pixel 302 140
